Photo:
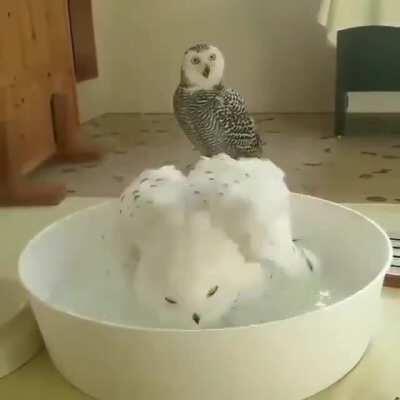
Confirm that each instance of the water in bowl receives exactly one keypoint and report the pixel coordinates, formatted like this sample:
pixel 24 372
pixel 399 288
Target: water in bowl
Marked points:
pixel 107 296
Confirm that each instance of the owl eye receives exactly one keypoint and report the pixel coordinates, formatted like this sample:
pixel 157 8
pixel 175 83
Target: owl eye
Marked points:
pixel 195 60
pixel 212 291
pixel 171 301
pixel 212 57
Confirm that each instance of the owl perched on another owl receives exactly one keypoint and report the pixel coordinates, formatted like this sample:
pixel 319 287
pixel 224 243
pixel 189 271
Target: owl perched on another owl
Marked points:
pixel 213 117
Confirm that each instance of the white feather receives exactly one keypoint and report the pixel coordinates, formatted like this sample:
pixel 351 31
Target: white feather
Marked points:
pixel 249 199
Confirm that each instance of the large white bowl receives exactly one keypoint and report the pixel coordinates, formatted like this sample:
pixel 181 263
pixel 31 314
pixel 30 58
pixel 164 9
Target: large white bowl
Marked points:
pixel 288 359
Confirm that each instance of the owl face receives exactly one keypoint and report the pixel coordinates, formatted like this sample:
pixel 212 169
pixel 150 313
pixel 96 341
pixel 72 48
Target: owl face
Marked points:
pixel 197 301
pixel 203 67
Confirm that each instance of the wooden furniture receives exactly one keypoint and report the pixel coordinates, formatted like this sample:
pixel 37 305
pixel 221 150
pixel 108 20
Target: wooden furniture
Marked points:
pixel 84 47
pixel 368 60
pixel 39 117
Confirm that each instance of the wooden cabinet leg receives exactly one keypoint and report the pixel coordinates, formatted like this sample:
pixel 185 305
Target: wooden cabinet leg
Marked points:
pixel 14 189
pixel 70 145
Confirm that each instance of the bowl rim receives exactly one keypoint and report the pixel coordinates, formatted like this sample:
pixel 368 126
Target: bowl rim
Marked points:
pixel 137 328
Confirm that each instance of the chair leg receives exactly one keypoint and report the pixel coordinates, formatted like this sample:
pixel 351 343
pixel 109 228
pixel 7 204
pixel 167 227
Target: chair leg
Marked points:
pixel 340 113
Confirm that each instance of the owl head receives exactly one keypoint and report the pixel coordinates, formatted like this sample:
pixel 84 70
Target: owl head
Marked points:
pixel 202 67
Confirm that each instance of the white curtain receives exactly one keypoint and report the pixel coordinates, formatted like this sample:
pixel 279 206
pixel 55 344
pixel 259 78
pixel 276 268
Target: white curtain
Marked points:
pixel 335 15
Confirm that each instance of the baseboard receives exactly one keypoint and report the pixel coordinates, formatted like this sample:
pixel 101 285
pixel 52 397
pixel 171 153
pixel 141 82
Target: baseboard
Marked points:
pixel 372 123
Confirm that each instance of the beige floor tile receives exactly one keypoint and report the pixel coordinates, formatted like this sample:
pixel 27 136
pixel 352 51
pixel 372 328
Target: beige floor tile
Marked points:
pixel 354 168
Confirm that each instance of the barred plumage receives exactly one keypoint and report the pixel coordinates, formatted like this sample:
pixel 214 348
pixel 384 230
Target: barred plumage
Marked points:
pixel 214 119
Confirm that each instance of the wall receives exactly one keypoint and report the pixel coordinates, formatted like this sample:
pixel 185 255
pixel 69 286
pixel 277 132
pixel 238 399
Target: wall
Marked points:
pixel 93 95
pixel 276 53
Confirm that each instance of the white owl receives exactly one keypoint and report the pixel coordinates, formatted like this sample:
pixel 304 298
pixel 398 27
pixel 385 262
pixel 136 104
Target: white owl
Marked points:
pixel 205 241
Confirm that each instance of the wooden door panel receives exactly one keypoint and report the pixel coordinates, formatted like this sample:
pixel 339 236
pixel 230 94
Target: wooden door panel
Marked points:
pixel 34 34
pixel 10 48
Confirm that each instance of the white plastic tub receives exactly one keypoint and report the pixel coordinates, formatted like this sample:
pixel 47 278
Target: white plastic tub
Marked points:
pixel 289 359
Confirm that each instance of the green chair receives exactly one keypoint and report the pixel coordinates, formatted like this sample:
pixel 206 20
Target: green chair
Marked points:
pixel 368 60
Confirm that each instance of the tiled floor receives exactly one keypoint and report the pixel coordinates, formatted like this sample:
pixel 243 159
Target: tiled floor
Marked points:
pixel 354 168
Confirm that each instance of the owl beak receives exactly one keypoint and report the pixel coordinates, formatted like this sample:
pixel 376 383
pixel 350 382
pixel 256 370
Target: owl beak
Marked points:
pixel 196 318
pixel 206 71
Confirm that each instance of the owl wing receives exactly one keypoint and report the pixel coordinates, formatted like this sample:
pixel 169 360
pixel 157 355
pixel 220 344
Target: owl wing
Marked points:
pixel 236 126
pixel 154 199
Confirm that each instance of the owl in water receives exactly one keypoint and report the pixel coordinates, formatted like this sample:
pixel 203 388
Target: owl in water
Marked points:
pixel 213 117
